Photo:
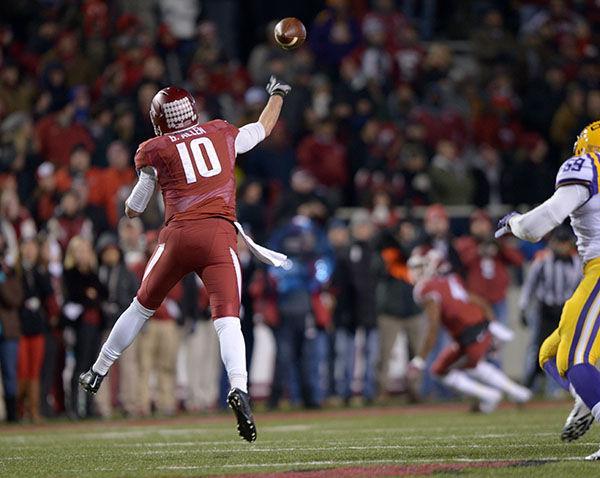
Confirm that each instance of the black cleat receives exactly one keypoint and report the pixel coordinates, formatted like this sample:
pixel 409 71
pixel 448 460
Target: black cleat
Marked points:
pixel 90 381
pixel 239 402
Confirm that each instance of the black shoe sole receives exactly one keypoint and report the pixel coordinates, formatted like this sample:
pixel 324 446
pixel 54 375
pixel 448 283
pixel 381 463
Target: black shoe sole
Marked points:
pixel 245 425
pixel 577 429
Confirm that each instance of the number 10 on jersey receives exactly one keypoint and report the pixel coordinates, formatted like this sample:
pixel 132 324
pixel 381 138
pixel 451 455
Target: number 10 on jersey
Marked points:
pixel 208 164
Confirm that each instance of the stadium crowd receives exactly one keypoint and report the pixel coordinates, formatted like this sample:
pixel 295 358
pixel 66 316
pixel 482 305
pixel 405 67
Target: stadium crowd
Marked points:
pixel 389 108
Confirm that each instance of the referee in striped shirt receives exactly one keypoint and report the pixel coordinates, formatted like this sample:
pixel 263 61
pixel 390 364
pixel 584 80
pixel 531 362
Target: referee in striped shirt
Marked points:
pixel 550 281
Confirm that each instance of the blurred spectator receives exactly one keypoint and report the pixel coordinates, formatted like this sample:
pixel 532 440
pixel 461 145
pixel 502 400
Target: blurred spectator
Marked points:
pixel 59 133
pixel 303 317
pixel 11 295
pixel 334 33
pixel 39 305
pixel 116 182
pixel 83 297
pixel 304 193
pixel 393 22
pixel 439 237
pixel 397 312
pixel 251 209
pixel 356 276
pixel 16 91
pixel 322 155
pixel 567 117
pixel 45 197
pixel 451 180
pixel 69 220
pixel 53 390
pixel 158 343
pixel 494 43
pixel 17 215
pixel 490 177
pixel 201 346
pixel 131 241
pixel 120 285
pixel 487 263
pixel 531 177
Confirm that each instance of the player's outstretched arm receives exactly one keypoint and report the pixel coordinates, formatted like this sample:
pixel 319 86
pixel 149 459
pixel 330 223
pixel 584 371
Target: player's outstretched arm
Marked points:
pixel 142 192
pixel 252 134
pixel 538 222
pixel 277 90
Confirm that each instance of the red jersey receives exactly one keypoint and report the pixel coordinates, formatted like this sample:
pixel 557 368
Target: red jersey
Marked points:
pixel 195 169
pixel 458 313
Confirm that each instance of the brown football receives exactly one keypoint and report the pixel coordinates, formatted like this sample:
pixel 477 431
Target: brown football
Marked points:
pixel 290 33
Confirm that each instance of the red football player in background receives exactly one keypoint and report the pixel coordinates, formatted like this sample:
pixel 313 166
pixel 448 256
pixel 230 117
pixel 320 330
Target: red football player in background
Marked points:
pixel 194 166
pixel 461 365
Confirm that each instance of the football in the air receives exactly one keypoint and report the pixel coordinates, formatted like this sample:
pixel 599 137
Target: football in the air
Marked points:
pixel 290 33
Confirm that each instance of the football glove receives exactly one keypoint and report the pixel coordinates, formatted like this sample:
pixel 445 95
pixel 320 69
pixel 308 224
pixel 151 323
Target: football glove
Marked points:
pixel 504 226
pixel 276 87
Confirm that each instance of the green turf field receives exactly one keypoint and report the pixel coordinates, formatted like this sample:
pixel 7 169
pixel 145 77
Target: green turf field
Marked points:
pixel 409 441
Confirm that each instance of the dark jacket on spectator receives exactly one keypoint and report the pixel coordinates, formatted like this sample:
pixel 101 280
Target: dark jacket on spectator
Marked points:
pixel 85 289
pixel 121 285
pixel 11 296
pixel 363 284
pixel 37 291
pixel 394 293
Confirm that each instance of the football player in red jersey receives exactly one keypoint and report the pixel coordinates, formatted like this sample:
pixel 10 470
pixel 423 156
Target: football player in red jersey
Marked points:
pixel 194 166
pixel 462 364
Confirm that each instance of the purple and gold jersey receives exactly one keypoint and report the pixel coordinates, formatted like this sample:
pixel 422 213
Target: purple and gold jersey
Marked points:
pixel 585 221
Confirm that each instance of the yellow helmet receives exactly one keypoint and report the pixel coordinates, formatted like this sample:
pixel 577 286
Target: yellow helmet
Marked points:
pixel 588 140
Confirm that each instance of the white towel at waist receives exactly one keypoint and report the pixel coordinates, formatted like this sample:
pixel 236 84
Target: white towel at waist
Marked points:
pixel 263 254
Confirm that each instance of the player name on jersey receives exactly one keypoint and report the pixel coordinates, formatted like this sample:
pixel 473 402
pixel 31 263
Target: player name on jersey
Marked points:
pixel 187 133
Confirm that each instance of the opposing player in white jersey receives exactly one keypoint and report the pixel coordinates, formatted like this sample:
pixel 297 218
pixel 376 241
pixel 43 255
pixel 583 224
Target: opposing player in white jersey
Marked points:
pixel 570 353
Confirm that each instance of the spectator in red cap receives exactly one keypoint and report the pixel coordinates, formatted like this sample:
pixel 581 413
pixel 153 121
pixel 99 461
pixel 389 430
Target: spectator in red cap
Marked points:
pixel 487 262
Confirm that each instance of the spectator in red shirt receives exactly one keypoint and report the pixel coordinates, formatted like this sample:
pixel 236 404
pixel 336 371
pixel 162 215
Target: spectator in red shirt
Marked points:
pixel 116 182
pixel 487 263
pixel 79 169
pixel 321 154
pixel 58 134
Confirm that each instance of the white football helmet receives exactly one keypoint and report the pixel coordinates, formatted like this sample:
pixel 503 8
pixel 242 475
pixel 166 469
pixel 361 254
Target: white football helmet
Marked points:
pixel 425 263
